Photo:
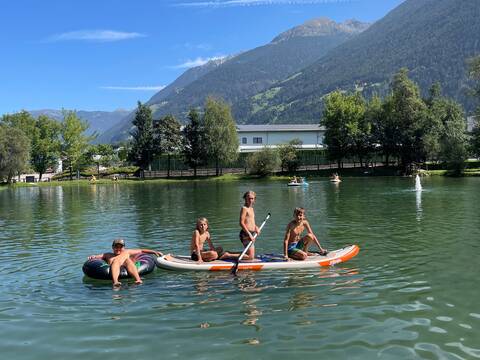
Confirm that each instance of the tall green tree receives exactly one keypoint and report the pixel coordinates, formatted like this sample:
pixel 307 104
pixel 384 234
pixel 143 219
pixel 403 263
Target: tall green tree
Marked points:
pixel 14 152
pixel 142 150
pixel 194 150
pixel 168 137
pixel 74 141
pixel 409 114
pixel 341 117
pixel 46 145
pixel 220 133
pixel 453 140
pixel 23 121
pixel 474 73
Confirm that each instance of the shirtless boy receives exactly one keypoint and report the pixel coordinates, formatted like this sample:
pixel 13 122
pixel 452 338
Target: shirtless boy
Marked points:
pixel 247 223
pixel 121 256
pixel 294 245
pixel 199 236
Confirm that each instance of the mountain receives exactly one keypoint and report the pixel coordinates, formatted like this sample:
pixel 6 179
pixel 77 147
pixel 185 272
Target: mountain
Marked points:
pixel 432 38
pixel 99 121
pixel 121 129
pixel 253 71
pixel 243 75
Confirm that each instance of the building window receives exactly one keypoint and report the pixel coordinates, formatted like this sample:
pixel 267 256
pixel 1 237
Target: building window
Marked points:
pixel 257 140
pixel 244 140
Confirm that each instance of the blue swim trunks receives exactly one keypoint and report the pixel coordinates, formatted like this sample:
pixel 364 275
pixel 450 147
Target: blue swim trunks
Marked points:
pixel 295 247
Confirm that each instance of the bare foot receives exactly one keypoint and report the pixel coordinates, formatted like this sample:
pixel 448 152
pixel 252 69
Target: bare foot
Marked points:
pixel 138 282
pixel 118 283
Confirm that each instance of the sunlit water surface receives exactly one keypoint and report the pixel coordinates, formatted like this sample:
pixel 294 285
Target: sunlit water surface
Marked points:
pixel 412 292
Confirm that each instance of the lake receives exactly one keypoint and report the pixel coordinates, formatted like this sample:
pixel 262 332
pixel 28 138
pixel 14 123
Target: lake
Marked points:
pixel 412 292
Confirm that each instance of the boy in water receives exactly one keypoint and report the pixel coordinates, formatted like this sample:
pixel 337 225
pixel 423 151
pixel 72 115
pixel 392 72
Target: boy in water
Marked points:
pixel 199 236
pixel 121 256
pixel 295 246
pixel 247 223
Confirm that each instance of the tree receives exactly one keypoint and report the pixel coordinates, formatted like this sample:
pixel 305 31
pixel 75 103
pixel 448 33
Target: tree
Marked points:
pixel 220 133
pixel 167 137
pixel 74 142
pixel 194 149
pixel 14 152
pixel 23 121
pixel 101 155
pixel 288 154
pixel 263 162
pixel 474 73
pixel 454 142
pixel 45 145
pixel 409 114
pixel 341 117
pixel 142 150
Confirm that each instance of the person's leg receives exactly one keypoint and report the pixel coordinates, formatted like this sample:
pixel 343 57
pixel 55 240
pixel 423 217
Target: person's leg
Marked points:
pixel 296 253
pixel 132 270
pixel 115 272
pixel 250 254
pixel 209 255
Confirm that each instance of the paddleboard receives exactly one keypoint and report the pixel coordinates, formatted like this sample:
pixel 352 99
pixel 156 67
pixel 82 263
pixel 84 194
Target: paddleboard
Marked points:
pixel 304 183
pixel 263 262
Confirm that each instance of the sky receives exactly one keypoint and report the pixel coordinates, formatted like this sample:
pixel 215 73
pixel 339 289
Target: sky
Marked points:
pixel 109 54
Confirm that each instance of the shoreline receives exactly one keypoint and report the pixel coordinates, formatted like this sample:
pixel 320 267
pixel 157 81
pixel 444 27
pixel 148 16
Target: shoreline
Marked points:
pixel 322 174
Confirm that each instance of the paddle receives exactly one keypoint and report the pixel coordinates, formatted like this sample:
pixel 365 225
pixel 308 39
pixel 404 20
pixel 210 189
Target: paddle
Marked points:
pixel 235 267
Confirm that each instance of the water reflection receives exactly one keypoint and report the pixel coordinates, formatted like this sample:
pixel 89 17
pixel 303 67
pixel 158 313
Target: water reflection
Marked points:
pixel 418 197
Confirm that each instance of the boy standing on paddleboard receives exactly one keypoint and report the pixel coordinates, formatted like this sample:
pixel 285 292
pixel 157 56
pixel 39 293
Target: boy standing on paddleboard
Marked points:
pixel 295 246
pixel 247 223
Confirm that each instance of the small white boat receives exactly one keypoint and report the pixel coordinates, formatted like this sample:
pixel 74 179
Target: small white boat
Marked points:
pixel 262 262
pixel 335 180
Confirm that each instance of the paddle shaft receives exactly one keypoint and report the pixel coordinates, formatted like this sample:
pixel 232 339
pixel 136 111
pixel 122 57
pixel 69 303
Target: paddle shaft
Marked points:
pixel 250 244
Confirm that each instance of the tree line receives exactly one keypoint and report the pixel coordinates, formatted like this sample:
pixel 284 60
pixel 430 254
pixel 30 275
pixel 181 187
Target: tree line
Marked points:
pixel 37 144
pixel 211 136
pixel 402 126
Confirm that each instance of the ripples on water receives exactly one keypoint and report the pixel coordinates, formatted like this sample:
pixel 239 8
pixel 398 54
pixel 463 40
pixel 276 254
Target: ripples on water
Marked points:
pixel 410 293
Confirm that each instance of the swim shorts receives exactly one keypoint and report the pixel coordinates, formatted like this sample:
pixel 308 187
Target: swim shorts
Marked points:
pixel 295 247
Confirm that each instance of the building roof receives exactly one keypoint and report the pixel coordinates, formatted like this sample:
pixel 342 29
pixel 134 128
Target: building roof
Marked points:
pixel 280 127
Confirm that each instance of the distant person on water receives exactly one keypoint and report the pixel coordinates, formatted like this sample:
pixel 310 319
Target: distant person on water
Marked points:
pixel 247 223
pixel 199 236
pixel 294 245
pixel 122 257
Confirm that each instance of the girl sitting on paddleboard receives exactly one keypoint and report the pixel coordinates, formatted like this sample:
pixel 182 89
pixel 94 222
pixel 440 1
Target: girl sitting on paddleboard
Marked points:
pixel 294 245
pixel 199 236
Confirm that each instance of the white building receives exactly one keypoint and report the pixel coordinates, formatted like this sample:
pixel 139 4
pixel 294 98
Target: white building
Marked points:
pixel 255 137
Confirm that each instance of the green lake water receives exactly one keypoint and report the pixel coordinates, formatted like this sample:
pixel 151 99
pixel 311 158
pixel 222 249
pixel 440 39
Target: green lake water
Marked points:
pixel 412 292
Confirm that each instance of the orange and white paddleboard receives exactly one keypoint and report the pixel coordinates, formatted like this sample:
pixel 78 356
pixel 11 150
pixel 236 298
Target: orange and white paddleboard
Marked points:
pixel 264 262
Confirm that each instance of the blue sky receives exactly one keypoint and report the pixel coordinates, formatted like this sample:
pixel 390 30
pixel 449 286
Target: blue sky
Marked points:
pixel 108 54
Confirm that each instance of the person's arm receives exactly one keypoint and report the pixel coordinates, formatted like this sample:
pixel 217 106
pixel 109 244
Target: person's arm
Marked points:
pixel 285 242
pixel 95 257
pixel 196 241
pixel 132 252
pixel 210 244
pixel 243 223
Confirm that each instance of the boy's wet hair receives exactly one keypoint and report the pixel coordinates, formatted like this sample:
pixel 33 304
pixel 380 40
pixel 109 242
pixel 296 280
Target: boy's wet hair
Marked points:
pixel 202 219
pixel 249 193
pixel 298 210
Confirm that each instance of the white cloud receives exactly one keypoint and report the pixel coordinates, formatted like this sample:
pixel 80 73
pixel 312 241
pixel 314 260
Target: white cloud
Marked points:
pixel 134 88
pixel 225 3
pixel 94 35
pixel 199 61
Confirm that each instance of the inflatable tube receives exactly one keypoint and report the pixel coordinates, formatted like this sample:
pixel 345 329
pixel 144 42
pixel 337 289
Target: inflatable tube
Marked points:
pixel 99 269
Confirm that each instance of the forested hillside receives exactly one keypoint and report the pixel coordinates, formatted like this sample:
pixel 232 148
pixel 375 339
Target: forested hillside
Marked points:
pixel 432 38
